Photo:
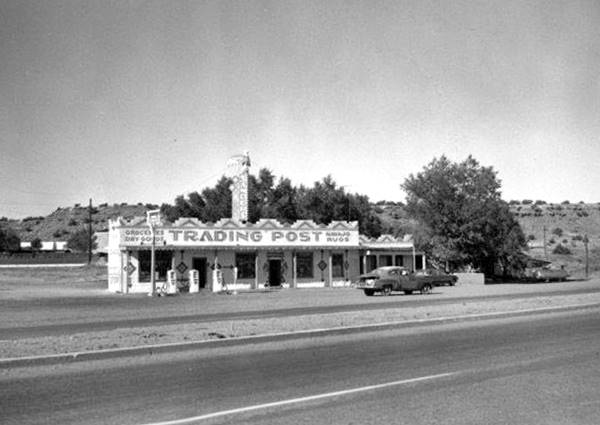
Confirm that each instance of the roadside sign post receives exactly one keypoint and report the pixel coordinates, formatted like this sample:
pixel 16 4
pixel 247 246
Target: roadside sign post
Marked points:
pixel 153 219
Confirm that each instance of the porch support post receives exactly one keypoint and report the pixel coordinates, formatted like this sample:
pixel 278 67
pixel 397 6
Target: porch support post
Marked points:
pixel 127 279
pixel 329 282
pixel 294 274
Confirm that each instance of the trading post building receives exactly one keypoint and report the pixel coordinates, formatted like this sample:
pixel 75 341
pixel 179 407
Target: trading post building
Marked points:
pixel 234 254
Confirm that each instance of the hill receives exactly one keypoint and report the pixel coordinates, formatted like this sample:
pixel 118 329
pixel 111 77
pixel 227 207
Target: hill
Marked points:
pixel 61 223
pixel 565 224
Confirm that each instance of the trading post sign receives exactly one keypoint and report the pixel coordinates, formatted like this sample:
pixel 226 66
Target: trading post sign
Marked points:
pixel 211 237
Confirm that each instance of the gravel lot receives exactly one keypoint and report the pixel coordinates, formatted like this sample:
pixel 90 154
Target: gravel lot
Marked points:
pixel 30 298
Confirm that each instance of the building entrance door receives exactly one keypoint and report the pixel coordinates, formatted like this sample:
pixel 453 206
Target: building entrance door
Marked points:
pixel 199 263
pixel 274 272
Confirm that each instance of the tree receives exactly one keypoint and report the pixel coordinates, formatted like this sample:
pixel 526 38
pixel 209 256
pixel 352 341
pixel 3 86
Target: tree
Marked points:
pixel 36 244
pixel 79 241
pixel 9 240
pixel 323 203
pixel 326 202
pixel 463 216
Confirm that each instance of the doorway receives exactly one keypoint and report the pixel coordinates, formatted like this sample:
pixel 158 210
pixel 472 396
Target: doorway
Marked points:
pixel 274 272
pixel 200 264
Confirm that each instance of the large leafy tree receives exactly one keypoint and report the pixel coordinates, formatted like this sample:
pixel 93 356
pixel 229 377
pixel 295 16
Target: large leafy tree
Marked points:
pixel 9 240
pixel 323 203
pixel 463 218
pixel 326 201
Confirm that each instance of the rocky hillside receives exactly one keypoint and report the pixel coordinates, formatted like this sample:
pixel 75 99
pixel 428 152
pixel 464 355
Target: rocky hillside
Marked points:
pixel 60 224
pixel 563 224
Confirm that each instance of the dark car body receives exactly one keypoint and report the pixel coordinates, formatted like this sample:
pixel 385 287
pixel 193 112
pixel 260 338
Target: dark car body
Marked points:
pixel 547 274
pixel 393 278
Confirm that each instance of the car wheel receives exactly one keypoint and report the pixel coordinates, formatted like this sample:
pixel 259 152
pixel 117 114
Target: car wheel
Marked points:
pixel 386 290
pixel 426 289
pixel 408 291
pixel 369 292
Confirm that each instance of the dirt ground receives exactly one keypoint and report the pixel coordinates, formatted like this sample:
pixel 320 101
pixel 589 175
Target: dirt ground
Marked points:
pixel 30 297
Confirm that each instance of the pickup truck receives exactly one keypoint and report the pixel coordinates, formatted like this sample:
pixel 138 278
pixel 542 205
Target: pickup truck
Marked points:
pixel 395 278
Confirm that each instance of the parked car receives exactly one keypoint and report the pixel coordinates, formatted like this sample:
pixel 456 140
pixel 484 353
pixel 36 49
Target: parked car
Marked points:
pixel 547 274
pixel 393 278
pixel 438 277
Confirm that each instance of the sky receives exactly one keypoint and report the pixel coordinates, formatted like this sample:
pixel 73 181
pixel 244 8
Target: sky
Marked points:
pixel 141 101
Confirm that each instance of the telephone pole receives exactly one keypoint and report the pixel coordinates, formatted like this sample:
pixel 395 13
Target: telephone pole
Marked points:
pixel 587 256
pixel 90 232
pixel 545 249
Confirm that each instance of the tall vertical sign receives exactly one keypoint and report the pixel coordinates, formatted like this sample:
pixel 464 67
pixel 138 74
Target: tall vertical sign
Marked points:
pixel 153 220
pixel 238 167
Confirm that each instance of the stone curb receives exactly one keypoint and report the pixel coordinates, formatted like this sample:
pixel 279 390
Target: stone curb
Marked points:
pixel 72 357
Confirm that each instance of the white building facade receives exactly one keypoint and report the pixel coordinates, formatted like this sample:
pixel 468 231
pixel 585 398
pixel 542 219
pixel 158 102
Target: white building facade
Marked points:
pixel 238 255
pixel 249 256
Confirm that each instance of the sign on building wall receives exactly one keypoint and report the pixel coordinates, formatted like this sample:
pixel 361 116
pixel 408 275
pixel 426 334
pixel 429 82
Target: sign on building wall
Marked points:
pixel 211 237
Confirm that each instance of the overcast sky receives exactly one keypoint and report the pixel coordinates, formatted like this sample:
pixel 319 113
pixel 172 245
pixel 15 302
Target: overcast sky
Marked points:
pixel 140 101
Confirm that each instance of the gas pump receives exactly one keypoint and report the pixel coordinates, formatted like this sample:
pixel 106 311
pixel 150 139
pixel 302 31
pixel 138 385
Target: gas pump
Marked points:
pixel 217 280
pixel 171 288
pixel 194 277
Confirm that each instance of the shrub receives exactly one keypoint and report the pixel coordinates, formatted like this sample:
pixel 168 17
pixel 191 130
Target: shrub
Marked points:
pixel 577 238
pixel 561 250
pixel 557 231
pixel 531 237
pixel 565 202
pixel 36 244
pixel 527 201
pixel 103 205
pixel 72 222
pixel 551 241
pixel 57 234
pixel 540 202
pixel 513 202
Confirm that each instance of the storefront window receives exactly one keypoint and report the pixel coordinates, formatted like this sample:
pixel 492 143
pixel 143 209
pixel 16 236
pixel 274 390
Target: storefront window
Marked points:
pixel 245 263
pixel 304 265
pixel 385 260
pixel 399 260
pixel 419 262
pixel 162 260
pixel 337 265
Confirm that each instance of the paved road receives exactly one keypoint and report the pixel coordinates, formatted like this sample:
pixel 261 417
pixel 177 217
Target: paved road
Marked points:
pixel 36 317
pixel 533 370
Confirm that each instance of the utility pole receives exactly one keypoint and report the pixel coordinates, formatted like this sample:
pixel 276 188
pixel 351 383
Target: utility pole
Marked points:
pixel 90 232
pixel 587 258
pixel 545 249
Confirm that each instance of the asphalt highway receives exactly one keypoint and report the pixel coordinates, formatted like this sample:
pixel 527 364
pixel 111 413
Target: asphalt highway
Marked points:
pixel 526 370
pixel 165 316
